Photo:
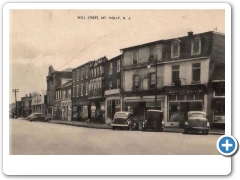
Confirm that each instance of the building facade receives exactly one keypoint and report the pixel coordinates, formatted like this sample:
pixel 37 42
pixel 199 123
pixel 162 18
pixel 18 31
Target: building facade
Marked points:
pixel 39 103
pixel 54 81
pixel 185 67
pixel 25 107
pixel 64 97
pixel 113 98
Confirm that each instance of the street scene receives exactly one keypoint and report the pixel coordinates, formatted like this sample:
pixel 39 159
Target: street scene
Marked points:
pixel 103 86
pixel 55 139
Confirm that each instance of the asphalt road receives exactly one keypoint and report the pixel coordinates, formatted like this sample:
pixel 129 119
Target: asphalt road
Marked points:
pixel 42 138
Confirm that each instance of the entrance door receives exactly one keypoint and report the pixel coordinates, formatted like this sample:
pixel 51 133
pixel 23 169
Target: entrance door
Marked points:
pixel 141 108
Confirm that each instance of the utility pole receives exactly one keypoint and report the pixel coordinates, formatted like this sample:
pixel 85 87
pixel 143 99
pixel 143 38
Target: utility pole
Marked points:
pixel 15 91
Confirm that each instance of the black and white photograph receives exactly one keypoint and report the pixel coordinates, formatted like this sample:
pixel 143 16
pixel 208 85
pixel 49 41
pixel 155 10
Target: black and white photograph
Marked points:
pixel 117 82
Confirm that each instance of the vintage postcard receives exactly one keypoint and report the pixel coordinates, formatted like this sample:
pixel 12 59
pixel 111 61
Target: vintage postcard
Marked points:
pixel 142 83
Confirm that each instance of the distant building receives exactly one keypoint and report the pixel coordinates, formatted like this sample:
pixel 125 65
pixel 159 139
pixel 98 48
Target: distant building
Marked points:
pixel 39 103
pixel 25 107
pixel 54 81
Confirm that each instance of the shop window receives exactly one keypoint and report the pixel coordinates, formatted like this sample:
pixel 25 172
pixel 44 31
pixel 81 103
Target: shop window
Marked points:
pixel 175 49
pixel 198 96
pixel 173 112
pixel 117 102
pixel 196 46
pixel 219 109
pixel 180 97
pixel 134 57
pixel 136 82
pixel 189 97
pixel 172 98
pixel 196 73
pixel 109 103
pixel 220 91
pixel 175 73
pixel 196 106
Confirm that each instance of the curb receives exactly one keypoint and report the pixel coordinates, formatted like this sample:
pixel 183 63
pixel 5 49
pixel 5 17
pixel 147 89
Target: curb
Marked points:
pixel 109 127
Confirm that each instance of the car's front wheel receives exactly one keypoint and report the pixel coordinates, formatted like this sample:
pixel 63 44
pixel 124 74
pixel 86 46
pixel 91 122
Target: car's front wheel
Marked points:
pixel 113 128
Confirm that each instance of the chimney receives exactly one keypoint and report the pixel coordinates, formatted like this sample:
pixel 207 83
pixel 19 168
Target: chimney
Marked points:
pixel 190 33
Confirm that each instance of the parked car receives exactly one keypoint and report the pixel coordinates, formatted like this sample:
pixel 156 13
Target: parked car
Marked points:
pixel 38 117
pixel 154 120
pixel 124 120
pixel 196 121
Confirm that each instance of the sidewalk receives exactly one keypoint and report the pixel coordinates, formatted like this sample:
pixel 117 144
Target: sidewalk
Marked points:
pixel 106 126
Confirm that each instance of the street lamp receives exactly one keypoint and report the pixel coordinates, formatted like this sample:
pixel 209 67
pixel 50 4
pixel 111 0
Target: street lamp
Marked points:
pixel 149 66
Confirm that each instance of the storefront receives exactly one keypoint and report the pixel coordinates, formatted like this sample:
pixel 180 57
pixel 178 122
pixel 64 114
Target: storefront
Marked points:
pixel 97 111
pixel 180 100
pixel 81 110
pixel 66 110
pixel 139 105
pixel 57 113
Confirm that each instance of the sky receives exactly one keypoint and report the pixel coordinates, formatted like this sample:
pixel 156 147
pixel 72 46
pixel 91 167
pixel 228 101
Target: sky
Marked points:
pixel 40 38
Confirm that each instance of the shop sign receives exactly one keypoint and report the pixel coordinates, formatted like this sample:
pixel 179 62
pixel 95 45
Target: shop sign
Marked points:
pixel 183 91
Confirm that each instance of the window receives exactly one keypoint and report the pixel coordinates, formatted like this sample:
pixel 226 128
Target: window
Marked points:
pixel 110 68
pixel 151 53
pixel 77 90
pixel 77 75
pixel 95 72
pixel 69 93
pixel 117 102
pixel 64 95
pixel 100 70
pixel 56 95
pixel 81 89
pixel 109 103
pixel 86 72
pixel 110 84
pixel 136 82
pixel 73 91
pixel 152 82
pixel 86 88
pixel 118 83
pixel 134 57
pixel 91 73
pixel 175 49
pixel 118 65
pixel 52 82
pixel 82 74
pixel 196 71
pixel 175 74
pixel 196 46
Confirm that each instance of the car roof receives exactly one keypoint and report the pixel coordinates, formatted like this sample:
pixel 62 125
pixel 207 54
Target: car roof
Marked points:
pixel 154 110
pixel 200 112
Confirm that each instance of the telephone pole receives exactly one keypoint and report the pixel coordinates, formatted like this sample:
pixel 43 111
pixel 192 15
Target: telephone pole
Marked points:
pixel 15 91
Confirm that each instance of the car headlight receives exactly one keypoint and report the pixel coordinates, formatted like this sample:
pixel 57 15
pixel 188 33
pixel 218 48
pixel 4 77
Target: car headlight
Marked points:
pixel 186 123
pixel 163 122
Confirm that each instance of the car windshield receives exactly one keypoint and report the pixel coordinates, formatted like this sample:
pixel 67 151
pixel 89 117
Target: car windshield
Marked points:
pixel 197 115
pixel 121 115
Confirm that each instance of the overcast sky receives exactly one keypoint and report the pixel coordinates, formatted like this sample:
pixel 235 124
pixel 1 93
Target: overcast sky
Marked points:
pixel 40 38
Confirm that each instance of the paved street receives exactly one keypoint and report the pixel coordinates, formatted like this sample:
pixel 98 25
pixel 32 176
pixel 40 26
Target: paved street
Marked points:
pixel 39 138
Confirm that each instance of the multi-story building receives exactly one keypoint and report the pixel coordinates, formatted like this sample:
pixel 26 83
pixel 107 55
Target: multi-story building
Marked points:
pixel 81 108
pixel 96 90
pixel 39 103
pixel 113 99
pixel 185 67
pixel 54 81
pixel 25 106
pixel 64 97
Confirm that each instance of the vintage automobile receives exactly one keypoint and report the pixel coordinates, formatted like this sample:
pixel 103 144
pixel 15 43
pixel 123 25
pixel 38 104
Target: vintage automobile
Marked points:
pixel 196 121
pixel 124 120
pixel 154 120
pixel 38 117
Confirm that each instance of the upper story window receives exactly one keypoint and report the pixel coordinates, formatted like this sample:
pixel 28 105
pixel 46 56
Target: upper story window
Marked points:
pixel 91 73
pixel 77 90
pixel 118 83
pixel 196 46
pixel 152 80
pixel 175 49
pixel 196 72
pixel 175 73
pixel 52 82
pixel 118 65
pixel 151 53
pixel 82 74
pixel 87 88
pixel 73 91
pixel 77 75
pixel 134 57
pixel 64 94
pixel 110 68
pixel 98 71
pixel 69 93
pixel 136 82
pixel 86 72
pixel 81 89
pixel 110 84
pixel 95 72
